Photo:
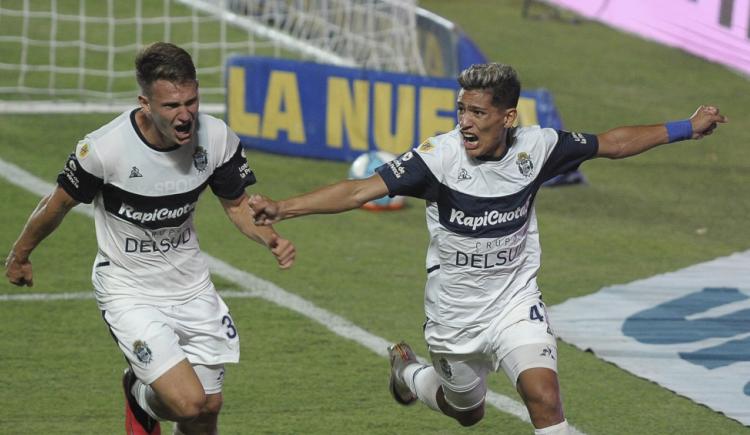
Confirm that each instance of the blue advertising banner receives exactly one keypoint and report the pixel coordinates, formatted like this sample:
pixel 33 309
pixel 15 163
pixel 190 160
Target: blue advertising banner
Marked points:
pixel 337 113
pixel 688 331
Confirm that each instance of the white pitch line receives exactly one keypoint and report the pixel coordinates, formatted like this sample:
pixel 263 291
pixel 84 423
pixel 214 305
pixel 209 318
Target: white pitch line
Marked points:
pixel 33 297
pixel 255 287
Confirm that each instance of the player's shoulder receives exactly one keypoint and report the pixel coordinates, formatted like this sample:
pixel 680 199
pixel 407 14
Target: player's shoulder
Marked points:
pixel 535 131
pixel 113 128
pixel 440 152
pixel 214 133
pixel 106 141
pixel 535 136
pixel 211 122
pixel 442 146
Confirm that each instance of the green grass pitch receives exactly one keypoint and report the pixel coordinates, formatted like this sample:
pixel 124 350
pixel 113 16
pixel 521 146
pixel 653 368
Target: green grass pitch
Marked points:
pixel 670 208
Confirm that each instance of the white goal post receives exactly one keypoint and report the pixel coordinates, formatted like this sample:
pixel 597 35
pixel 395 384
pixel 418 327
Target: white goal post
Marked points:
pixel 77 55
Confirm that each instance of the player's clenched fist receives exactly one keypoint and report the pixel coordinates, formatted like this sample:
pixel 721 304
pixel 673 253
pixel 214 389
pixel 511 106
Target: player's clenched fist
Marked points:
pixel 705 119
pixel 18 272
pixel 264 210
pixel 283 250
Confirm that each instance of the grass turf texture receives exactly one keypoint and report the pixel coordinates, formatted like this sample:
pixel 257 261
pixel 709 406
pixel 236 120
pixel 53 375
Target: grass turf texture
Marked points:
pixel 638 217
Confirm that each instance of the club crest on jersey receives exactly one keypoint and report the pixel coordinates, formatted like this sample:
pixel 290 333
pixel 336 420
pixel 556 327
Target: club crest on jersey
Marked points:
pixel 135 173
pixel 200 159
pixel 525 165
pixel 445 367
pixel 142 351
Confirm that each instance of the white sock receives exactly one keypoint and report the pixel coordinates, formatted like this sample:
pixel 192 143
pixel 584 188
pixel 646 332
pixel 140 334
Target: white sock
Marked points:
pixel 424 382
pixel 142 394
pixel 561 428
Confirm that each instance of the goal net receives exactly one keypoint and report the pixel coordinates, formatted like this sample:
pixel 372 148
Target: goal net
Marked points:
pixel 58 52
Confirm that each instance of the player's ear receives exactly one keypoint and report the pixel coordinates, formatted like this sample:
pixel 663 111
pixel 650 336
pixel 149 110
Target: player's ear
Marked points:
pixel 143 102
pixel 511 115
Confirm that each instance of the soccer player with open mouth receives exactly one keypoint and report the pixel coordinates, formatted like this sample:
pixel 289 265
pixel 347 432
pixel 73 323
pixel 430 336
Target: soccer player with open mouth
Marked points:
pixel 483 307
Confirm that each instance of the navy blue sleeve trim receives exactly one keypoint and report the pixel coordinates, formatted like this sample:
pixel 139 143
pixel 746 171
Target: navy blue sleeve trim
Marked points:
pixel 78 183
pixel 570 151
pixel 409 175
pixel 230 179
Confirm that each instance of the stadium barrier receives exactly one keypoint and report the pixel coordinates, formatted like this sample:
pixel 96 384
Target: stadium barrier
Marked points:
pixel 716 30
pixel 337 113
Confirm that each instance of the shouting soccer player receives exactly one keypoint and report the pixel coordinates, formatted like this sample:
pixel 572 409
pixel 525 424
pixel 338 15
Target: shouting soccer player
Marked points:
pixel 144 172
pixel 484 309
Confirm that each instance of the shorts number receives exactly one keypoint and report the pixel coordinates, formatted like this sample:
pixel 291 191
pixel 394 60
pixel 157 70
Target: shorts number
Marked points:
pixel 535 314
pixel 231 330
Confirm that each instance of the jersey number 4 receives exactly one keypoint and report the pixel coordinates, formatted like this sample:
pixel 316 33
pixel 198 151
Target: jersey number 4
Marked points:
pixel 535 312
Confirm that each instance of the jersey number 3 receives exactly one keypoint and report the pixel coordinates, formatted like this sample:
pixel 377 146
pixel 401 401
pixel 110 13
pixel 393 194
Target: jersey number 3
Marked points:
pixel 231 330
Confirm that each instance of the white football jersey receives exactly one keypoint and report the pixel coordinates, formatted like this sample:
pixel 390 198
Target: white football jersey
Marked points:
pixel 144 199
pixel 484 252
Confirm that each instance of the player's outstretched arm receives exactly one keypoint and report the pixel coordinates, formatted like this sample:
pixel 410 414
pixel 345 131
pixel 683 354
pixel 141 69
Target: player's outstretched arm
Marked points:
pixel 45 218
pixel 335 198
pixel 624 142
pixel 238 212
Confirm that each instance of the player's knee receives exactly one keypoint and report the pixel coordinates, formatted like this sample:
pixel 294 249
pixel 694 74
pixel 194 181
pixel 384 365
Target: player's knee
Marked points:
pixel 471 417
pixel 544 404
pixel 466 406
pixel 213 404
pixel 189 406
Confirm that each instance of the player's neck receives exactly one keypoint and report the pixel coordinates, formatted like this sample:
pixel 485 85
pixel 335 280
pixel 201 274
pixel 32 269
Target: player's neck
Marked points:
pixel 501 150
pixel 149 132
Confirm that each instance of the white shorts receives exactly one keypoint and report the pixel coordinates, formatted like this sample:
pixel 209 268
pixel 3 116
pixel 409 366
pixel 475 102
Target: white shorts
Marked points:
pixel 519 339
pixel 154 339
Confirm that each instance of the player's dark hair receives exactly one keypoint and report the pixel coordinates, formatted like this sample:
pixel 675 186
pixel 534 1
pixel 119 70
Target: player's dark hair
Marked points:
pixel 163 61
pixel 501 79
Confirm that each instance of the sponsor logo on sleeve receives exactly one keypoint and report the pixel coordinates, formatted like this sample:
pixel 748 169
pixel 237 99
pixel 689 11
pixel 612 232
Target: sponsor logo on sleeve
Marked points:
pixel 396 165
pixel 70 172
pixel 245 170
pixel 578 137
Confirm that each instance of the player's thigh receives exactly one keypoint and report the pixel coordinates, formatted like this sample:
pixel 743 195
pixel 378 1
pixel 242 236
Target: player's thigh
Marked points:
pixel 207 331
pixel 211 378
pixel 180 389
pixel 189 390
pixel 531 346
pixel 463 378
pixel 147 338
